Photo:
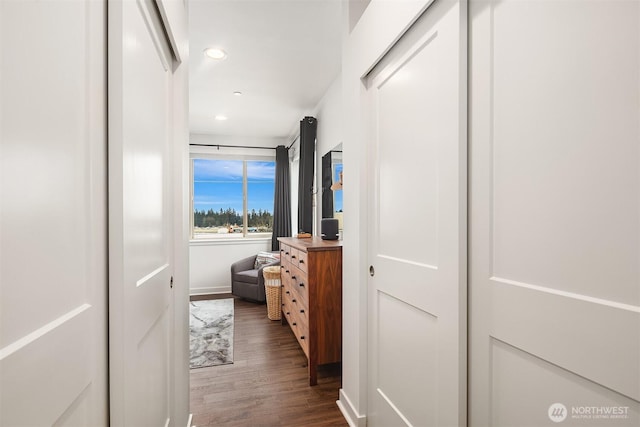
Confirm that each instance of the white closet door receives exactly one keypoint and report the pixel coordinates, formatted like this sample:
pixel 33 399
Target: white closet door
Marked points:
pixel 53 226
pixel 140 215
pixel 554 213
pixel 417 299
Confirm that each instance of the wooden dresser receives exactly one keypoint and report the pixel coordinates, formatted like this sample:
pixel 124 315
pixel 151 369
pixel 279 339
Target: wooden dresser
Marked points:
pixel 311 272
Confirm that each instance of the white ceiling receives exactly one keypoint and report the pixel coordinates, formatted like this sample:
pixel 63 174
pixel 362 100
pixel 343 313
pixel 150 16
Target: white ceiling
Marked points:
pixel 282 55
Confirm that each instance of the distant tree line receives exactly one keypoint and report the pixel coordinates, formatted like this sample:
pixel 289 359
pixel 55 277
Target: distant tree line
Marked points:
pixel 231 217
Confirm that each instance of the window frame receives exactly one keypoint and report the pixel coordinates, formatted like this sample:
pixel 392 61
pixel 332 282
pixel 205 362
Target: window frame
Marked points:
pixel 245 202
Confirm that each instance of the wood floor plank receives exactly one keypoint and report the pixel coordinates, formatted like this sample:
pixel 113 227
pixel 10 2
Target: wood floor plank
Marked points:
pixel 267 385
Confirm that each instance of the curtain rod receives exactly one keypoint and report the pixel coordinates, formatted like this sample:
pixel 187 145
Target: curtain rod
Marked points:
pixel 232 146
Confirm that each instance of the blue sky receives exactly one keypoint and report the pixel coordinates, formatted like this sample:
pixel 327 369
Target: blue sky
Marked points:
pixel 218 184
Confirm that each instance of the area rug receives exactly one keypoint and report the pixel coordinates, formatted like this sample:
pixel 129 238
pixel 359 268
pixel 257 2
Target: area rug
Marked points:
pixel 211 332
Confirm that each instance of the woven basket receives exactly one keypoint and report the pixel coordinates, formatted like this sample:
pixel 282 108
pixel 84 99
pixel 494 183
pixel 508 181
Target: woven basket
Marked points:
pixel 272 288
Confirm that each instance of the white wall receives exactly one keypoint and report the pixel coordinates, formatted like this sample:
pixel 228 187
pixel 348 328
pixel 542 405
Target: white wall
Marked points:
pixel 210 270
pixel 329 115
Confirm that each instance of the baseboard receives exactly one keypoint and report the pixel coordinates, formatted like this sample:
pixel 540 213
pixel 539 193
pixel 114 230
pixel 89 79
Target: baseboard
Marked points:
pixel 349 412
pixel 210 290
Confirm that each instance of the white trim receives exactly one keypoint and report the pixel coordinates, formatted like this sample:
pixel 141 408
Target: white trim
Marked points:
pixel 210 290
pixel 151 275
pixel 228 241
pixel 394 407
pixel 156 28
pixel 189 420
pixel 172 14
pixel 566 294
pixel 349 412
pixel 40 332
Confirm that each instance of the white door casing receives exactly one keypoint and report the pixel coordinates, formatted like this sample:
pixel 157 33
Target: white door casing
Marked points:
pixel 140 215
pixel 554 282
pixel 53 225
pixel 417 157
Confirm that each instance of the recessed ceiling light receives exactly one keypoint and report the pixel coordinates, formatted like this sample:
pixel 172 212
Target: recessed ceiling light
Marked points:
pixel 221 117
pixel 215 53
pixel 237 93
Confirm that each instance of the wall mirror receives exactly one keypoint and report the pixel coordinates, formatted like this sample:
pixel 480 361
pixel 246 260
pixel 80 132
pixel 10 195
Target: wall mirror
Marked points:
pixel 332 180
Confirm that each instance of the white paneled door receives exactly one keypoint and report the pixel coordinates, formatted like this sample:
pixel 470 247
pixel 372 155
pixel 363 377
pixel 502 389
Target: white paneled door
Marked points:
pixel 417 286
pixel 554 276
pixel 140 215
pixel 53 225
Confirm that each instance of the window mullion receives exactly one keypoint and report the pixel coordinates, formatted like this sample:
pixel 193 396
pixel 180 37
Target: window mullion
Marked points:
pixel 245 186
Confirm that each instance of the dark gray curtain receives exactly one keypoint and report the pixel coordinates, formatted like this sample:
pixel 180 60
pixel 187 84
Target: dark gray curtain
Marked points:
pixel 308 128
pixel 282 198
pixel 327 192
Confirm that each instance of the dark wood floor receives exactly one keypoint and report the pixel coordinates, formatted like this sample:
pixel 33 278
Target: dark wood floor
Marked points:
pixel 267 384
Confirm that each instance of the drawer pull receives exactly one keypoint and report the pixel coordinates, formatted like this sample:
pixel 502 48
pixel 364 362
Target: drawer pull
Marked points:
pixel 301 284
pixel 286 253
pixel 302 337
pixel 286 271
pixel 301 261
pixel 294 323
pixel 287 292
pixel 293 300
pixel 301 311
pixel 282 266
pixel 288 313
pixel 293 257
pixel 293 277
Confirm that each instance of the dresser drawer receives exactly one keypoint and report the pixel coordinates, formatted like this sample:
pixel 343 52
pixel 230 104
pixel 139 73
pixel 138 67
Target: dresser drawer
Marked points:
pixel 286 308
pixel 297 321
pixel 300 284
pixel 301 332
pixel 285 274
pixel 287 295
pixel 285 253
pixel 299 307
pixel 302 261
pixel 294 256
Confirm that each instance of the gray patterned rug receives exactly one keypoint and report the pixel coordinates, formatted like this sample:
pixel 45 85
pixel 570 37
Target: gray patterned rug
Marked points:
pixel 211 332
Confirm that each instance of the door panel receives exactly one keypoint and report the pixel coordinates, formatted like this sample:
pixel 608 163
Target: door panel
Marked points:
pixel 417 300
pixel 53 238
pixel 140 215
pixel 404 327
pixel 554 212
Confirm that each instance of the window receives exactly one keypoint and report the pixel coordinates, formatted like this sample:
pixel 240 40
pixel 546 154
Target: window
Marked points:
pixel 232 198
pixel 337 195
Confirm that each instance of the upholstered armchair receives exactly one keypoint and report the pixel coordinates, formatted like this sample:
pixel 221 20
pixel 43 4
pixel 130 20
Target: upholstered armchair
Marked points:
pixel 247 281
